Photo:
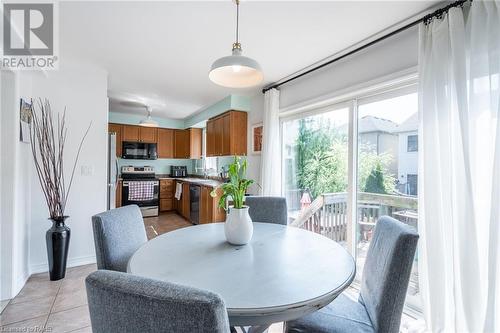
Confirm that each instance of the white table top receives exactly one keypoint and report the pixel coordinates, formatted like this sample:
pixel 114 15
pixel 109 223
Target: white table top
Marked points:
pixel 282 274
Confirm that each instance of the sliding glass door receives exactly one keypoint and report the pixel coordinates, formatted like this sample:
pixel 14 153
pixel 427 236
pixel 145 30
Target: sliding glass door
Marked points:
pixel 347 164
pixel 315 164
pixel 387 170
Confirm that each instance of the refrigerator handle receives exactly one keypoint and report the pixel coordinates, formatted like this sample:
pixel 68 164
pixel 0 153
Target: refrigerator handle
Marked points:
pixel 116 173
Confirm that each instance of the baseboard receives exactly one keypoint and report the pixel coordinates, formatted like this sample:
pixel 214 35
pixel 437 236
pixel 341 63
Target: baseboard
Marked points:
pixel 72 262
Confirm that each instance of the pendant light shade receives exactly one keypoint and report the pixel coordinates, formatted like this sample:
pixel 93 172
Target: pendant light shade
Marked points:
pixel 236 70
pixel 148 122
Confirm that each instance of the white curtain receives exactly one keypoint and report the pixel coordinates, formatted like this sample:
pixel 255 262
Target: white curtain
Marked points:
pixel 459 169
pixel 270 172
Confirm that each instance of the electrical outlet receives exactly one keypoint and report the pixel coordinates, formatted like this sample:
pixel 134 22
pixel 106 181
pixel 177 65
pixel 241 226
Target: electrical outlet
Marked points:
pixel 87 170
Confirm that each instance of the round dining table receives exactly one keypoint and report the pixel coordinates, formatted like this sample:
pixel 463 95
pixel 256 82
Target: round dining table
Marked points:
pixel 282 274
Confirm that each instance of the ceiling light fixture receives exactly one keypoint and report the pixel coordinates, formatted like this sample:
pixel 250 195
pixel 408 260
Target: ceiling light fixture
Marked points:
pixel 148 122
pixel 236 71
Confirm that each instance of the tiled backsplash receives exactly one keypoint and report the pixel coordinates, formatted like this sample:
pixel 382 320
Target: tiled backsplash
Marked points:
pixel 161 165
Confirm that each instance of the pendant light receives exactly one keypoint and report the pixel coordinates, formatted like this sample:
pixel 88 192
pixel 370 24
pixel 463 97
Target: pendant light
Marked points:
pixel 148 122
pixel 236 71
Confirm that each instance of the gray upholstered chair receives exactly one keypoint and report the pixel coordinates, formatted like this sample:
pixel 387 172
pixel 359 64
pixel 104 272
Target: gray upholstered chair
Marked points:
pixel 121 302
pixel 267 209
pixel 383 287
pixel 118 233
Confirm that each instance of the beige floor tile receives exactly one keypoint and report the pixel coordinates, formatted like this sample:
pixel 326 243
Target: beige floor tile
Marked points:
pixel 65 301
pixel 69 320
pixel 37 289
pixel 3 304
pixel 87 329
pixel 73 285
pixel 30 325
pixel 26 310
pixel 80 271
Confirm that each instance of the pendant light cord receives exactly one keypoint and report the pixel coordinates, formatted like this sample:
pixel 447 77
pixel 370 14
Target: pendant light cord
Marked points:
pixel 237 19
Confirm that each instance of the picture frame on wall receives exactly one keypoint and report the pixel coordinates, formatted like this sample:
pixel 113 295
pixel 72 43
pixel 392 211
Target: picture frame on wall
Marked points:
pixel 25 119
pixel 257 138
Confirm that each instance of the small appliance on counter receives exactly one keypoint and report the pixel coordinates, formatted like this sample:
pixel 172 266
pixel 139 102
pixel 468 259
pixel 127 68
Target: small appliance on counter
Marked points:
pixel 178 171
pixel 141 187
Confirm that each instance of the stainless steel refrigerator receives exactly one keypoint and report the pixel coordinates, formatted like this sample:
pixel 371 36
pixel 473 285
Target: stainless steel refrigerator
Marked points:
pixel 112 171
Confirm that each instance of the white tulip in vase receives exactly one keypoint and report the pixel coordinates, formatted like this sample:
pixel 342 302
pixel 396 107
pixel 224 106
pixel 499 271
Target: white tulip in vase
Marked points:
pixel 238 227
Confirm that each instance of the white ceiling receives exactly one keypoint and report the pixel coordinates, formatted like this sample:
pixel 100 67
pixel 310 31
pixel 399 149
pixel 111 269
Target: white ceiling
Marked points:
pixel 161 51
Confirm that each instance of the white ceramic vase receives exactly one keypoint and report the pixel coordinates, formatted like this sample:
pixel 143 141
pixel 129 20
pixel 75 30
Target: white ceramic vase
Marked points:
pixel 238 227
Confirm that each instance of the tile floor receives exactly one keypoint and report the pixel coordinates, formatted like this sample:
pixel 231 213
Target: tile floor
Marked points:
pixel 61 306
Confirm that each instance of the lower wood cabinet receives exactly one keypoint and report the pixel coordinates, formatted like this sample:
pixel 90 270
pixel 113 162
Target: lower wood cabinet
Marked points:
pixel 118 196
pixel 185 201
pixel 209 210
pixel 167 190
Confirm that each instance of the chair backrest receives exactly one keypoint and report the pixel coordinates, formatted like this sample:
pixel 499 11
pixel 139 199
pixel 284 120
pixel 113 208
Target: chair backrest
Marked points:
pixel 121 302
pixel 267 209
pixel 387 272
pixel 118 233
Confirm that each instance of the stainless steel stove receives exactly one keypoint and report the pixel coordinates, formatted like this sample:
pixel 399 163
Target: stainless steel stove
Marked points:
pixel 141 188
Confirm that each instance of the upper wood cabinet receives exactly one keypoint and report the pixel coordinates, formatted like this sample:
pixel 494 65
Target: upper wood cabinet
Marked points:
pixel 134 133
pixel 188 143
pixel 171 143
pixel 195 143
pixel 227 134
pixel 117 129
pixel 148 134
pixel 166 143
pixel 181 144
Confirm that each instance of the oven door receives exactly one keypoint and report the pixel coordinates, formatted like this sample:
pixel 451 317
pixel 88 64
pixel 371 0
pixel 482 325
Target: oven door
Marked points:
pixel 139 151
pixel 148 207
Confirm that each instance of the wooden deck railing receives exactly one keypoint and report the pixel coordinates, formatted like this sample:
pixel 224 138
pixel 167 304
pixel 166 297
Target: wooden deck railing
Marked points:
pixel 327 214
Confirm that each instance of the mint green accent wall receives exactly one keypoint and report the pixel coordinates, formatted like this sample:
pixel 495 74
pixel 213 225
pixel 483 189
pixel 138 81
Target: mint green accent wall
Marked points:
pixel 231 102
pixel 132 119
pixel 220 107
pixel 241 103
pixel 161 165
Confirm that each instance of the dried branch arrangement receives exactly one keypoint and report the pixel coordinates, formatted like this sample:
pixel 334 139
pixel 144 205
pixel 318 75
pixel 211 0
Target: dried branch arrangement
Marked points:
pixel 48 137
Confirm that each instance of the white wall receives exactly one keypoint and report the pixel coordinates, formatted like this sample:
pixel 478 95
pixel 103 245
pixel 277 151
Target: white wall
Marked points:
pixel 255 116
pixel 82 89
pixel 15 187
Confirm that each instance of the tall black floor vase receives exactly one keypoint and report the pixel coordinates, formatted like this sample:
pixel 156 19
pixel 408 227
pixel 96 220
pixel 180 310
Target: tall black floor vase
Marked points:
pixel 57 238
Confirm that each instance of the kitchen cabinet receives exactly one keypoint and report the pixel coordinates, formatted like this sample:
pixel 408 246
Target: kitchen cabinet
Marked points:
pixel 227 134
pixel 118 196
pixel 185 201
pixel 210 147
pixel 181 144
pixel 209 210
pixel 188 143
pixel 117 129
pixel 166 143
pixel 134 133
pixel 167 190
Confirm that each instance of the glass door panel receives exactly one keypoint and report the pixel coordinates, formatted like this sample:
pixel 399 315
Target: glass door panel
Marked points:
pixel 387 171
pixel 315 170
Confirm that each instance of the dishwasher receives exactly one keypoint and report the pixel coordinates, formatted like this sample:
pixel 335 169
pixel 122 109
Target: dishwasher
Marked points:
pixel 194 204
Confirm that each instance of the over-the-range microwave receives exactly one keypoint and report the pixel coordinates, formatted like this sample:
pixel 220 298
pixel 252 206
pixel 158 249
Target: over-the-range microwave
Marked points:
pixel 139 151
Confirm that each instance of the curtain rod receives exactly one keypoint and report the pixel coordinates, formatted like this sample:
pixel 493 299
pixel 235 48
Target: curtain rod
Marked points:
pixel 425 19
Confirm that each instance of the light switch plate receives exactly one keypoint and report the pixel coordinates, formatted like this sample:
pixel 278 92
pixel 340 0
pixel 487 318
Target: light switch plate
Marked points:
pixel 87 170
